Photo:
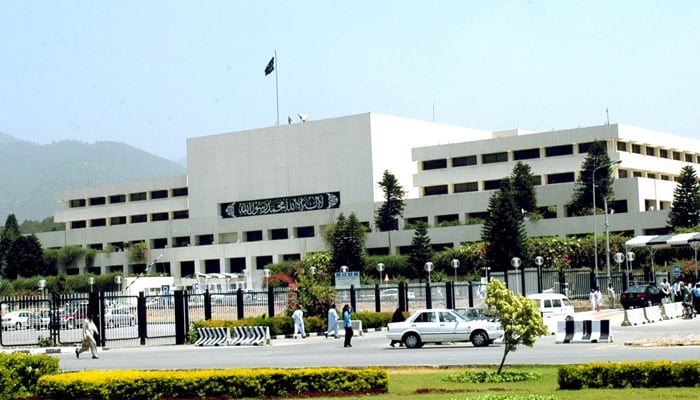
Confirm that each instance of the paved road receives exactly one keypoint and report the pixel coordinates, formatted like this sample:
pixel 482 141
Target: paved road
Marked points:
pixel 373 349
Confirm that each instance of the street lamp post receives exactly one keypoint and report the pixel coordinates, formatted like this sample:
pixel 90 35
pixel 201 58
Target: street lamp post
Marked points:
pixel 515 262
pixel 428 268
pixel 266 274
pixel 380 268
pixel 539 260
pixel 91 281
pixel 455 265
pixel 595 217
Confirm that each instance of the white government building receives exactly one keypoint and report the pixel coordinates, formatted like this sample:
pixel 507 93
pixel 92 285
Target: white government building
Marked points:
pixel 261 196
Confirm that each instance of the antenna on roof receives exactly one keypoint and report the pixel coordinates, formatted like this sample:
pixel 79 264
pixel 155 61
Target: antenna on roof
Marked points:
pixel 607 116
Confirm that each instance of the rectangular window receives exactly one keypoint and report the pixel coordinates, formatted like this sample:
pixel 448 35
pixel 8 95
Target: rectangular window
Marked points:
pixel 537 179
pixel 688 158
pixel 622 173
pixel 665 178
pixel 448 219
pixel 262 261
pixel 118 246
pixel 95 246
pixel 492 184
pixel 179 192
pixel 205 240
pixel 181 241
pixel 636 149
pixel 563 177
pixel 77 203
pixel 434 164
pixel 77 224
pixel 435 190
pixel 253 236
pixel 159 194
pixel 562 150
pixel 583 147
pixel 183 214
pixel 526 154
pixel 137 219
pixel 117 220
pixel 304 231
pixel 411 222
pixel 651 151
pixel 137 196
pixel 663 153
pixel 159 243
pixel 237 264
pixel 494 158
pixel 279 234
pixel 651 176
pixel 291 257
pixel 463 161
pixel 163 216
pixel 637 174
pixel 117 198
pixel 98 222
pixel 677 155
pixel 97 201
pixel 621 146
pixel 466 187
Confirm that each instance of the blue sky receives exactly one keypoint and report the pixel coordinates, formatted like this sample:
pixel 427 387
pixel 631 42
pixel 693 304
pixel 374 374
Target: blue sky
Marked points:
pixel 153 73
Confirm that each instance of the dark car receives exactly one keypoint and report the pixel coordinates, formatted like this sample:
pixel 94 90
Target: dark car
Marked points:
pixel 641 296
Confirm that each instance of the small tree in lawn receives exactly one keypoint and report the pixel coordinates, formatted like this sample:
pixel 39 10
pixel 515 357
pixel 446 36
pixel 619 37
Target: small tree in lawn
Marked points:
pixel 685 209
pixel 519 316
pixel 421 251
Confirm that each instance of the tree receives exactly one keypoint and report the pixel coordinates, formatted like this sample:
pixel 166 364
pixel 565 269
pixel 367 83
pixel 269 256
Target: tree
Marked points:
pixel 504 229
pixel 520 317
pixel 26 258
pixel 347 239
pixel 10 233
pixel 421 251
pixel 385 218
pixel 582 199
pixel 686 200
pixel 524 188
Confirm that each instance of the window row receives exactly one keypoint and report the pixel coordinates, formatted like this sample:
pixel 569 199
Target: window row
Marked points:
pixel 655 151
pixel 503 156
pixel 123 198
pixel 494 184
pixel 130 219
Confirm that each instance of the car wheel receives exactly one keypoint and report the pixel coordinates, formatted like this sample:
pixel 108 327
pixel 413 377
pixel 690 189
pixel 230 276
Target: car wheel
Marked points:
pixel 649 304
pixel 412 340
pixel 480 339
pixel 18 326
pixel 132 322
pixel 111 324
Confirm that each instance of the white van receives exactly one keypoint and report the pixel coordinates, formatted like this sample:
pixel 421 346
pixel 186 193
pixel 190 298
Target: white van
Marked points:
pixel 553 305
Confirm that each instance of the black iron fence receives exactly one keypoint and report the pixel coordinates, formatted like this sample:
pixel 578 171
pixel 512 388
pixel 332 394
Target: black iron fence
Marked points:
pixel 125 321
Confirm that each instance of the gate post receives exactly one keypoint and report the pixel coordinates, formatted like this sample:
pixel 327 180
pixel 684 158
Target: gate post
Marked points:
pixel 403 296
pixel 377 300
pixel 180 320
pixel 471 294
pixel 270 301
pixel 239 304
pixel 450 293
pixel 142 318
pixel 428 296
pixel 207 305
pixel 353 298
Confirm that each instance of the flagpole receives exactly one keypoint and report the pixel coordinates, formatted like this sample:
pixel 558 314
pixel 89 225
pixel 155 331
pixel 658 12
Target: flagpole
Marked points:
pixel 277 92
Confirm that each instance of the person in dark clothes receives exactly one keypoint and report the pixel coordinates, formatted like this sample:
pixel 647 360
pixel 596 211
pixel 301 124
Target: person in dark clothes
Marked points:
pixel 397 317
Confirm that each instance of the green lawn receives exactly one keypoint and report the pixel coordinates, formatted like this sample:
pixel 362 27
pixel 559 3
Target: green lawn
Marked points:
pixel 427 384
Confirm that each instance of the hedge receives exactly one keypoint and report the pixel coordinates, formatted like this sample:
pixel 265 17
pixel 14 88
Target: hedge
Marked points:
pixel 647 374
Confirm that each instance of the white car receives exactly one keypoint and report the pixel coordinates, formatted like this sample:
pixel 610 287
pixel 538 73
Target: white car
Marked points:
pixel 443 325
pixel 20 320
pixel 393 294
pixel 115 317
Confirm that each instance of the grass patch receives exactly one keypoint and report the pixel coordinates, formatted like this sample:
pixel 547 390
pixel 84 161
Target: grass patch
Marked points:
pixel 426 383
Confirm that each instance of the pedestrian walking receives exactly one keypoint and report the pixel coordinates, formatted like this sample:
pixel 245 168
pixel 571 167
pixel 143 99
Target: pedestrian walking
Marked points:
pixel 598 299
pixel 298 317
pixel 397 317
pixel 332 322
pixel 611 295
pixel 347 324
pixel 89 333
pixel 591 299
pixel 666 290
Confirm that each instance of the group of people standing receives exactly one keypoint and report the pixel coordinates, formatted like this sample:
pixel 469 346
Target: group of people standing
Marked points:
pixel 687 294
pixel 596 299
pixel 333 320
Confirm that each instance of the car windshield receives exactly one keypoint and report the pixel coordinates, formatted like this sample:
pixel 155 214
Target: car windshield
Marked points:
pixel 636 289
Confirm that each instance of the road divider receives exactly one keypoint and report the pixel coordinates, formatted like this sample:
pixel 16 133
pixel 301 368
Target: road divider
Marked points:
pixel 586 331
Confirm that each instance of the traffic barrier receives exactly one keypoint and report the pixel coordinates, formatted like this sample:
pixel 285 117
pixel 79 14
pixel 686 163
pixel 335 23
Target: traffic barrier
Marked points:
pixel 673 310
pixel 586 331
pixel 255 335
pixel 213 336
pixel 356 326
pixel 653 313
pixel 634 316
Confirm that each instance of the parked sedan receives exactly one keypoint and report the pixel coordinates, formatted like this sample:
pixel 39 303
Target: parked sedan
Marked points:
pixel 443 325
pixel 393 294
pixel 640 296
pixel 115 317
pixel 20 320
